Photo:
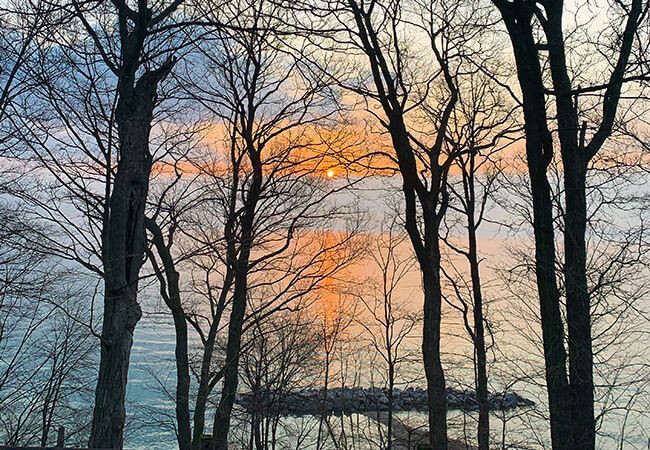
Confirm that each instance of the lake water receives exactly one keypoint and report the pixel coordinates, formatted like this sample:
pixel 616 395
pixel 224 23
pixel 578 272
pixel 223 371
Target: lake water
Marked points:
pixel 152 408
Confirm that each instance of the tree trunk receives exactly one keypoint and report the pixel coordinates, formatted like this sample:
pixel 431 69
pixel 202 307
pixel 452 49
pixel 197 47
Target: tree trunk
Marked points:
pixel 539 153
pixel 205 380
pixel 416 191
pixel 123 248
pixel 231 375
pixel 436 387
pixel 549 298
pixel 483 432
pixel 240 297
pixel 121 313
pixel 427 250
pixel 172 297
pixel 203 390
pixel 575 158
pixel 575 162
pixel 391 399
pixel 257 430
pixel 182 382
pixel 578 307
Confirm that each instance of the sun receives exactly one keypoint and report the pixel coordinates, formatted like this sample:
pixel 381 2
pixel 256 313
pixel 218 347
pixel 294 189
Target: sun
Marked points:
pixel 330 173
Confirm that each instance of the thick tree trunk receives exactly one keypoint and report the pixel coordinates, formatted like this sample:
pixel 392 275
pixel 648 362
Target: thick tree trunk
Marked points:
pixel 539 152
pixel 436 387
pixel 123 255
pixel 578 307
pixel 551 318
pixel 427 250
pixel 575 158
pixel 121 314
pixel 123 249
pixel 578 303
pixel 575 162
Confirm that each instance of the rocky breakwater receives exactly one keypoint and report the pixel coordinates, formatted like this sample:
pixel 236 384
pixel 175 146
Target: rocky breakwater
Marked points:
pixel 359 399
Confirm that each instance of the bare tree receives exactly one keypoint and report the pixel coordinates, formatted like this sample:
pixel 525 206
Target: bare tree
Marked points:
pixel 123 237
pixel 336 315
pixel 414 104
pixel 202 295
pixel 481 126
pixel 282 357
pixel 220 177
pixel 21 23
pixel 97 88
pixel 391 322
pixel 46 351
pixel 273 191
pixel 540 47
pixel 250 222
pixel 616 272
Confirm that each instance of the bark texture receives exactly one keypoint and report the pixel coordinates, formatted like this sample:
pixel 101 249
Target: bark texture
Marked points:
pixel 124 240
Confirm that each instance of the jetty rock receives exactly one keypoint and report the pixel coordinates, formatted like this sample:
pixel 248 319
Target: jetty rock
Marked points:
pixel 361 399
